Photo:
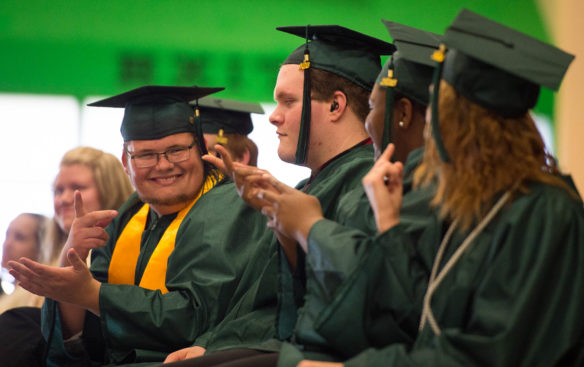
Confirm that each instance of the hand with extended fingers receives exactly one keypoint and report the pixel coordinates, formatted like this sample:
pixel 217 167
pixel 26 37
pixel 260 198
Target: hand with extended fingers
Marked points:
pixel 87 231
pixel 290 211
pixel 246 178
pixel 72 284
pixel 383 186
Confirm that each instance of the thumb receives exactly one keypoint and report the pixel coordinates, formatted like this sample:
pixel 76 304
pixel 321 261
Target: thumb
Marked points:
pixel 75 260
pixel 78 203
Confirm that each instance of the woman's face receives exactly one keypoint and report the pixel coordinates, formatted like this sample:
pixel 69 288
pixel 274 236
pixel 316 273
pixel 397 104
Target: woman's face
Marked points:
pixel 21 239
pixel 70 178
pixel 375 120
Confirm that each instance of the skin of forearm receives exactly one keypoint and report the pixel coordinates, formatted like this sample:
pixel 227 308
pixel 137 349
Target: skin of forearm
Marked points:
pixel 289 247
pixel 72 319
pixel 385 222
pixel 300 236
pixel 303 229
pixel 73 314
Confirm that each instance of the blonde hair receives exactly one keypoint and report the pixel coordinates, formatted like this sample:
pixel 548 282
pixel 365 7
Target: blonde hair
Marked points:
pixel 489 155
pixel 112 183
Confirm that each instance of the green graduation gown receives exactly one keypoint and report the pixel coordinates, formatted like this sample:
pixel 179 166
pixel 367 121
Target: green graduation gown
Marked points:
pixel 249 330
pixel 217 256
pixel 339 178
pixel 333 257
pixel 514 298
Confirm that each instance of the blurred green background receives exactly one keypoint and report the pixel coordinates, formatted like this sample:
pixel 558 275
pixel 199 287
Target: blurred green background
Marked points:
pixel 87 47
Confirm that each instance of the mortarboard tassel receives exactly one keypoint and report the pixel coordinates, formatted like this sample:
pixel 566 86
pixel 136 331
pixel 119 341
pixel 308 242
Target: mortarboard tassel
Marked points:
pixel 438 56
pixel 198 129
pixel 304 134
pixel 390 82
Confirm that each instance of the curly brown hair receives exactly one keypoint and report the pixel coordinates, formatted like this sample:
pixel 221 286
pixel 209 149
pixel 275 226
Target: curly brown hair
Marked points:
pixel 489 154
pixel 324 84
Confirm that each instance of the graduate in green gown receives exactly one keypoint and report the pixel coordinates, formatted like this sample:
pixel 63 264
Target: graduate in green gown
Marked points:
pixel 173 262
pixel 337 67
pixel 397 114
pixel 228 123
pixel 506 246
pixel 397 105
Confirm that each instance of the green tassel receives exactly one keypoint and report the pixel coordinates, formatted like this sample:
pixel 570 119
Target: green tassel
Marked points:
pixel 434 108
pixel 388 132
pixel 304 133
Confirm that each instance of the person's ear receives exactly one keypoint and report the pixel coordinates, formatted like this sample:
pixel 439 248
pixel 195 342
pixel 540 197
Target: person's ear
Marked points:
pixel 405 110
pixel 338 105
pixel 245 157
pixel 124 160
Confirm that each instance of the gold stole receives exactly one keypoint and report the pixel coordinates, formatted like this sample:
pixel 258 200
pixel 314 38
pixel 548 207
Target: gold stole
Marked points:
pixel 122 269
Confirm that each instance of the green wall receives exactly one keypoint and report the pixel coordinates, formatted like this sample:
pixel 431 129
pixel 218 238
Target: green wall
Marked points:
pixel 89 47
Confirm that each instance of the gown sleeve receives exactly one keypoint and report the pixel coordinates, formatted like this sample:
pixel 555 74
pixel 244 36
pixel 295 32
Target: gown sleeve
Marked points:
pixel 360 314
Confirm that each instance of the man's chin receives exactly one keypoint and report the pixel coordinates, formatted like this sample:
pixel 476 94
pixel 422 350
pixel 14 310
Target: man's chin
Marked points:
pixel 288 158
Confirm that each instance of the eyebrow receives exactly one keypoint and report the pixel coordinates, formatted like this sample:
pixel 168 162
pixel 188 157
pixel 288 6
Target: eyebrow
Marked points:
pixel 284 95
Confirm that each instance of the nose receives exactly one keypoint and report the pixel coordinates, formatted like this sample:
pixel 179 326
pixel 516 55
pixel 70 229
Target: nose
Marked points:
pixel 163 162
pixel 276 117
pixel 65 197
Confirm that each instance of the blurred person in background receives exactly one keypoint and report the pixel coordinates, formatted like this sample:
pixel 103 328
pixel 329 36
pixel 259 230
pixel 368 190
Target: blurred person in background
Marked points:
pixel 229 123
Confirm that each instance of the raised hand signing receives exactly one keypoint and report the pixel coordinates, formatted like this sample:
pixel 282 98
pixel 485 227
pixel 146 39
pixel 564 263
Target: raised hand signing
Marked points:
pixel 290 211
pixel 383 186
pixel 245 177
pixel 87 231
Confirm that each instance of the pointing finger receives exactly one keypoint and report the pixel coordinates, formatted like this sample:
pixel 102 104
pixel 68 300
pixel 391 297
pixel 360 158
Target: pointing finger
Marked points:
pixel 267 195
pixel 78 203
pixel 226 157
pixel 279 186
pixel 387 153
pixel 217 162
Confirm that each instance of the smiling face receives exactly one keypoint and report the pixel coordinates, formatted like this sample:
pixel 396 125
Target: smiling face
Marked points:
pixel 167 187
pixel 70 178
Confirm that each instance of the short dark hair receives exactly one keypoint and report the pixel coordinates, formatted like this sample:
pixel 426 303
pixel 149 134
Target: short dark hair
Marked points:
pixel 237 144
pixel 324 84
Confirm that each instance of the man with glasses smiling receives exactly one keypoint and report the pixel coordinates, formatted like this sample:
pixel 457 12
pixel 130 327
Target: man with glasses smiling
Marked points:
pixel 175 259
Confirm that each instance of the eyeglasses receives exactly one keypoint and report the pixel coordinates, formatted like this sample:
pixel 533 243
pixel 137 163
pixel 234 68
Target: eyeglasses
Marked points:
pixel 173 155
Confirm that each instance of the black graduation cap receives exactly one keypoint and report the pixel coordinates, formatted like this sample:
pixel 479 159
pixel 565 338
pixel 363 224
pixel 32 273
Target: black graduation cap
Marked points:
pixel 339 50
pixel 153 112
pixel 496 67
pixel 409 70
pixel 233 117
